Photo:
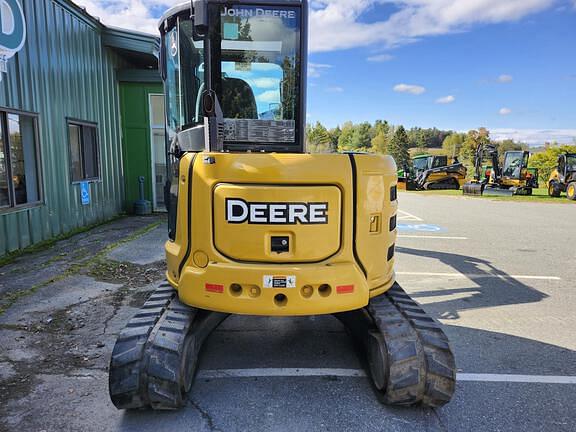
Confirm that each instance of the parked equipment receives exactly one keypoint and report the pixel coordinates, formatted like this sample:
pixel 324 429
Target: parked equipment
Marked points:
pixel 533 178
pixel 563 178
pixel 259 227
pixel 433 173
pixel 511 179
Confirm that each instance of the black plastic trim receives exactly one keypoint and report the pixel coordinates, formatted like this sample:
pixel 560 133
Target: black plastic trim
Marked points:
pixel 355 212
pixel 189 227
pixel 391 252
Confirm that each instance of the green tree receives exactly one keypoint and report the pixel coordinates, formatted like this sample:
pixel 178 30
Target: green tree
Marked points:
pixel 453 143
pixel 318 139
pixel 511 145
pixel 380 143
pixel 345 138
pixel 380 136
pixel 361 139
pixel 421 143
pixel 334 137
pixel 380 126
pixel 547 160
pixel 473 139
pixel 398 147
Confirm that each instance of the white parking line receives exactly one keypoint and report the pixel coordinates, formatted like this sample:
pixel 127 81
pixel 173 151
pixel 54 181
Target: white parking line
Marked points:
pixel 432 237
pixel 356 373
pixel 536 379
pixel 480 276
pixel 405 216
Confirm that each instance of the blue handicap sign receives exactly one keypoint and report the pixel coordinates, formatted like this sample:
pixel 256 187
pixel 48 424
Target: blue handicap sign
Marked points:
pixel 419 228
pixel 85 193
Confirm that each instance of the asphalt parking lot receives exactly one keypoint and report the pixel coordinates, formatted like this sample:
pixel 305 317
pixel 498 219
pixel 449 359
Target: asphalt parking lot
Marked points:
pixel 499 275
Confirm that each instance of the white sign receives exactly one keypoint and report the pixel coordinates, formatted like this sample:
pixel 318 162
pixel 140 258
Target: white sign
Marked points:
pixel 12 31
pixel 279 281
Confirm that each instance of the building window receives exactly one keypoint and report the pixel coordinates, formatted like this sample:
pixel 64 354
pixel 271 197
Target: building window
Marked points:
pixel 19 172
pixel 84 151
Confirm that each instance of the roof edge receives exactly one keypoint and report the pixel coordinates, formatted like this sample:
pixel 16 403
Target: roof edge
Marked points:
pixel 115 37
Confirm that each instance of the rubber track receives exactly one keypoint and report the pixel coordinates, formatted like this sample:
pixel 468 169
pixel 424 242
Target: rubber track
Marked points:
pixel 440 366
pixel 127 376
pixel 166 352
pixel 406 362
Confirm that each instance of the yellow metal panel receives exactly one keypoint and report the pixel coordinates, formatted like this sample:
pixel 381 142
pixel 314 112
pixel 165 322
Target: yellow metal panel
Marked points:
pixel 375 178
pixel 200 292
pixel 229 284
pixel 250 241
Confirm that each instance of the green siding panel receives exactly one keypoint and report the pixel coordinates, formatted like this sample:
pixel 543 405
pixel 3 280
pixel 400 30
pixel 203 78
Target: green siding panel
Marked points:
pixel 3 236
pixel 135 109
pixel 64 71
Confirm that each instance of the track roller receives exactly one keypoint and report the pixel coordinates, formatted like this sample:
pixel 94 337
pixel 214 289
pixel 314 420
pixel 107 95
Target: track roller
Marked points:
pixel 155 357
pixel 408 354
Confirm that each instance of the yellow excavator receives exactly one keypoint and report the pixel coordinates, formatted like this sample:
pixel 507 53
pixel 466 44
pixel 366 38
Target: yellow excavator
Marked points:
pixel 257 226
pixel 511 178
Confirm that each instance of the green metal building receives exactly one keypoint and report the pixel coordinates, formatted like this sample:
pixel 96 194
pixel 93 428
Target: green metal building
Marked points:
pixel 81 118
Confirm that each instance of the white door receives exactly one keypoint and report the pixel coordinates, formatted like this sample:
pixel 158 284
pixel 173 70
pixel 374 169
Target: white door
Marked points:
pixel 157 138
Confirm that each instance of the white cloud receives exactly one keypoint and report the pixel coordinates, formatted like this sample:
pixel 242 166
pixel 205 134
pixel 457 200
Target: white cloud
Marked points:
pixel 445 100
pixel 335 89
pixel 505 78
pixel 409 88
pixel 314 69
pixel 266 83
pixel 535 136
pixel 505 111
pixel 413 20
pixel 131 14
pixel 380 58
pixel 269 96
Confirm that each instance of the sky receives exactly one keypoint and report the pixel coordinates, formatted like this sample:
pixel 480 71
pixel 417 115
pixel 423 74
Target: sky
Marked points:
pixel 508 65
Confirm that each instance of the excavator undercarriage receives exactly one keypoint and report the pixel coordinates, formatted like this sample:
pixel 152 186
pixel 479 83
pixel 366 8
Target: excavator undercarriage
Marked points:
pixel 156 356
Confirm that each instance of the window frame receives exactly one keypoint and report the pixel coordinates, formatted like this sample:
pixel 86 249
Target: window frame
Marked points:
pixel 70 121
pixel 4 111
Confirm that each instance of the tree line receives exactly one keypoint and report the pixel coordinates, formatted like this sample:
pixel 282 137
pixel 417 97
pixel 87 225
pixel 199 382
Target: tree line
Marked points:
pixel 546 161
pixel 382 137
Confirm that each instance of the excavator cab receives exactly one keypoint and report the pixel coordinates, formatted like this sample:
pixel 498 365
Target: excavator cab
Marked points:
pixel 507 179
pixel 259 227
pixel 515 167
pixel 236 69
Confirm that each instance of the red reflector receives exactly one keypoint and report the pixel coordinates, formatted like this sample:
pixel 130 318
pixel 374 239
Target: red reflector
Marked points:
pixel 219 289
pixel 345 289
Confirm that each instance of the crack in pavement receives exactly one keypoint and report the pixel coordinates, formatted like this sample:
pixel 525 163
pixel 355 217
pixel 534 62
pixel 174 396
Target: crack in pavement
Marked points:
pixel 205 416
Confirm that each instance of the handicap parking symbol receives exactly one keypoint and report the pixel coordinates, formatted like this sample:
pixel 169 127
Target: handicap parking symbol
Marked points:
pixel 85 193
pixel 419 228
